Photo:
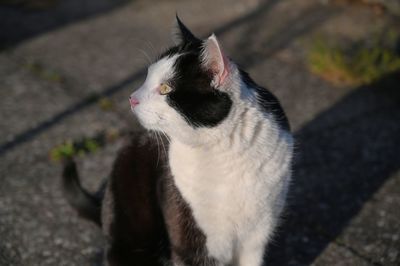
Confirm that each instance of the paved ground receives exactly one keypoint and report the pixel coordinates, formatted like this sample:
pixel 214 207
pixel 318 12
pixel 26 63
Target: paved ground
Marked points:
pixel 346 193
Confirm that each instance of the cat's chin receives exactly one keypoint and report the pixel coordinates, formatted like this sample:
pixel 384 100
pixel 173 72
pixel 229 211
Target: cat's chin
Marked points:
pixel 139 118
pixel 141 122
pixel 144 121
pixel 147 125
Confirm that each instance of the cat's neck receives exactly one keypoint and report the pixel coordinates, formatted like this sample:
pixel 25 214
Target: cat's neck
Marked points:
pixel 247 129
pixel 254 147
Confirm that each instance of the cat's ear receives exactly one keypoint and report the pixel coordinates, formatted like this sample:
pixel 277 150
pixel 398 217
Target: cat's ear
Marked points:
pixel 215 61
pixel 183 34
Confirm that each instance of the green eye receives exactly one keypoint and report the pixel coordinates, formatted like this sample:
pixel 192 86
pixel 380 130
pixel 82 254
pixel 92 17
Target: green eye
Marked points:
pixel 165 89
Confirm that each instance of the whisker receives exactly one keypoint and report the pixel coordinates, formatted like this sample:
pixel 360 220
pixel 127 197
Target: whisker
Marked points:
pixel 166 136
pixel 158 147
pixel 145 55
pixel 147 45
pixel 151 46
pixel 163 146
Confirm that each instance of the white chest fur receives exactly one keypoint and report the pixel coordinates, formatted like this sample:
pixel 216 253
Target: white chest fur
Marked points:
pixel 236 189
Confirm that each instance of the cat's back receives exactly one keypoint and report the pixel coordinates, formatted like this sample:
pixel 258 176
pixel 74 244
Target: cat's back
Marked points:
pixel 131 214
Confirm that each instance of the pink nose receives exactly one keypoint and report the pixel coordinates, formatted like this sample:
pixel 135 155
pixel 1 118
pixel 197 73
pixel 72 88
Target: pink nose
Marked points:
pixel 133 101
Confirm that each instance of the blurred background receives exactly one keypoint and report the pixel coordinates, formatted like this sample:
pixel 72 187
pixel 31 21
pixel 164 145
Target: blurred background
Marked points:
pixel 68 67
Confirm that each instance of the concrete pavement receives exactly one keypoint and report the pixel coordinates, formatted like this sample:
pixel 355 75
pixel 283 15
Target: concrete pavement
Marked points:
pixel 345 195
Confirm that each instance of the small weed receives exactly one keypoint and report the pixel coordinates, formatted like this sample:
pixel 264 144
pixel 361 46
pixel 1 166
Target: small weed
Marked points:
pixel 83 146
pixel 354 63
pixel 379 7
pixel 105 104
pixel 65 150
pixel 44 73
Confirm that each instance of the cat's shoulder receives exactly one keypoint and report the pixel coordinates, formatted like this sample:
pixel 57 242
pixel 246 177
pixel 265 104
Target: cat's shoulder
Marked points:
pixel 268 102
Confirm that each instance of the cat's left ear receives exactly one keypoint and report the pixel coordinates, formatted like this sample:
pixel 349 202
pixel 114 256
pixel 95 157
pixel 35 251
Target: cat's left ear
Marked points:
pixel 184 35
pixel 215 61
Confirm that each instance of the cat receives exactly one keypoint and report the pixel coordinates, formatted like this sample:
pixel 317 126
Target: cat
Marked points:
pixel 217 193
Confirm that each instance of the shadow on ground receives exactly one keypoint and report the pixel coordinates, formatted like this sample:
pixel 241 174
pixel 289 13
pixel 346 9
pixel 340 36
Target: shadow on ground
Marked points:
pixel 344 156
pixel 24 19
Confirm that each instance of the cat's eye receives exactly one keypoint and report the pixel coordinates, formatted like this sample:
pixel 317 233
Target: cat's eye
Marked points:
pixel 165 89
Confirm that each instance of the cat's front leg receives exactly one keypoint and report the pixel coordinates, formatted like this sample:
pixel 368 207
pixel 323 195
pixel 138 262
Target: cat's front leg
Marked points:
pixel 194 259
pixel 252 256
pixel 253 248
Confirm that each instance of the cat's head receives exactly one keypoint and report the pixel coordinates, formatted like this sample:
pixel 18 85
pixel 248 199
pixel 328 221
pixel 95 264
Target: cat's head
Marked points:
pixel 188 89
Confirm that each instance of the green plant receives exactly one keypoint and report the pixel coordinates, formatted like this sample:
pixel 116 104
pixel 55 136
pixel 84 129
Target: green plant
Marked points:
pixel 105 104
pixel 83 146
pixel 65 150
pixel 354 63
pixel 46 74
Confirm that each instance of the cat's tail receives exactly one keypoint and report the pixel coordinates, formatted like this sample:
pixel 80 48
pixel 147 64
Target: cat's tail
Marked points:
pixel 87 205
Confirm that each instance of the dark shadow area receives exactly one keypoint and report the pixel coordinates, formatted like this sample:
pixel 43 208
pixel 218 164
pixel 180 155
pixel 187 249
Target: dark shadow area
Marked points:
pixel 24 19
pixel 344 156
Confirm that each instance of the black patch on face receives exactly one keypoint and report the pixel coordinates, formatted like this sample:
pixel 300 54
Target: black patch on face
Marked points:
pixel 193 46
pixel 192 96
pixel 268 102
pixel 169 53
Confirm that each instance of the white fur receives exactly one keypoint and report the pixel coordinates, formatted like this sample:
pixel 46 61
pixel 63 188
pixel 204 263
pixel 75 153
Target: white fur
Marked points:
pixel 236 185
pixel 234 176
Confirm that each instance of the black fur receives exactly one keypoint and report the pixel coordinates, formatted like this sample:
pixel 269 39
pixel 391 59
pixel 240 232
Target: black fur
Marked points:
pixel 145 202
pixel 88 206
pixel 185 35
pixel 136 231
pixel 193 97
pixel 137 234
pixel 188 242
pixel 269 103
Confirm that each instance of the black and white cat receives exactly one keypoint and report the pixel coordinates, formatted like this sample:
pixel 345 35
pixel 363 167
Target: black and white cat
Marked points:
pixel 217 195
